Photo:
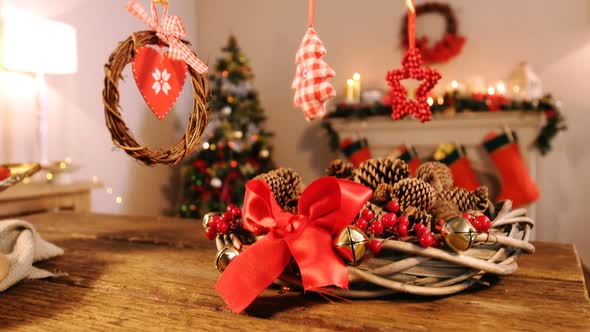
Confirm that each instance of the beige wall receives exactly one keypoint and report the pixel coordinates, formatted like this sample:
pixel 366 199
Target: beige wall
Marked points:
pixel 554 36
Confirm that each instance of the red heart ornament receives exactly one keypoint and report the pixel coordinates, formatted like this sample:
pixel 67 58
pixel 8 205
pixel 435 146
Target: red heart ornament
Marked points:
pixel 159 79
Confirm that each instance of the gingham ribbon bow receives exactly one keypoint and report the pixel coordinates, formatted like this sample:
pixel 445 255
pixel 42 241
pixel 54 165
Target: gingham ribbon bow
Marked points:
pixel 170 30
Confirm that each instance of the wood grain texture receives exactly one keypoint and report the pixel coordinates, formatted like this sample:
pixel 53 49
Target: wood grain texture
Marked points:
pixel 157 274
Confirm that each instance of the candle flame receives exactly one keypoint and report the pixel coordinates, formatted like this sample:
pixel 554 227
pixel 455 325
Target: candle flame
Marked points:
pixel 410 4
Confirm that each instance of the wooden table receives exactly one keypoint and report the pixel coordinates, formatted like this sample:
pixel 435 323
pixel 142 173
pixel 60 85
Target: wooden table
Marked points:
pixel 36 197
pixel 158 274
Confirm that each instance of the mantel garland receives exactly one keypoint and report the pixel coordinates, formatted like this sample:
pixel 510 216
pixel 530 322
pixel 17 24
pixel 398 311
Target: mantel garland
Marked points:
pixel 555 120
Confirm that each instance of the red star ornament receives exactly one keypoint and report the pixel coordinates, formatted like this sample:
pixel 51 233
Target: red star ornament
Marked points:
pixel 412 68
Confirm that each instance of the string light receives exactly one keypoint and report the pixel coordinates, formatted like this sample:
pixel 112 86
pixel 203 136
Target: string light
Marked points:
pixel 49 176
pixel 109 190
pixel 441 100
pixel 491 90
pixel 454 84
pixel 501 88
pixel 206 145
pixel 119 200
pixel 430 101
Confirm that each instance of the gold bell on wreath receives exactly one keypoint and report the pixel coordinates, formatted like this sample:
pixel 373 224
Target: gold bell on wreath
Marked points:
pixel 459 234
pixel 224 257
pixel 351 244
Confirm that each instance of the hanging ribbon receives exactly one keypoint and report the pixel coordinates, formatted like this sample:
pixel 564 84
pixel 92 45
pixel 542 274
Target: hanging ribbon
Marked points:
pixel 411 24
pixel 169 30
pixel 325 208
pixel 311 12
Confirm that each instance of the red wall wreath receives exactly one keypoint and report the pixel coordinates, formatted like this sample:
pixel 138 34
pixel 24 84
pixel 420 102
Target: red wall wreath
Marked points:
pixel 443 50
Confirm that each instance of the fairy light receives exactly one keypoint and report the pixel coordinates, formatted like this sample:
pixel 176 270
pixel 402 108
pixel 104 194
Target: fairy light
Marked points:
pixel 119 200
pixel 501 88
pixel 26 180
pixel 454 84
pixel 430 101
pixel 109 190
pixel 440 100
pixel 491 91
pixel 206 145
pixel 68 160
pixel 49 176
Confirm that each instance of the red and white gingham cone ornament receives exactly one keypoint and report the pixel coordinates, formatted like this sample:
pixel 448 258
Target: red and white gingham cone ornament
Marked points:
pixel 412 68
pixel 312 90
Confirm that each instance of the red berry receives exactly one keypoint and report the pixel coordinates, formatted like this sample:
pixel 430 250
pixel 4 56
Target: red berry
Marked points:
pixel 476 222
pixel 222 227
pixel 404 220
pixel 435 242
pixel 484 223
pixel 234 210
pixel 213 222
pixel 420 229
pixel 389 220
pixel 258 230
pixel 375 246
pixel 376 228
pixel 468 217
pixel 361 224
pixel 227 216
pixel 402 230
pixel 210 233
pixel 367 214
pixel 392 206
pixel 426 240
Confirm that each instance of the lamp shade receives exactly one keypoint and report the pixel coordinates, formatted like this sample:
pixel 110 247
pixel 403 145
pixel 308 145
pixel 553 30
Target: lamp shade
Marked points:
pixel 39 45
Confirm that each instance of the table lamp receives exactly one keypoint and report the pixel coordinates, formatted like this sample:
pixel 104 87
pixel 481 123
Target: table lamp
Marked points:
pixel 40 47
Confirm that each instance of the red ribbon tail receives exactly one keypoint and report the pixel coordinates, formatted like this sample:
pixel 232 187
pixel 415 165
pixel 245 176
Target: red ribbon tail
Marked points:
pixel 252 272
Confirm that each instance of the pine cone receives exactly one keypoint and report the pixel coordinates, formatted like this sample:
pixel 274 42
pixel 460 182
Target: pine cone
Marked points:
pixel 382 194
pixel 374 172
pixel 465 200
pixel 414 192
pixel 437 174
pixel 340 169
pixel 285 185
pixel 418 216
pixel 444 210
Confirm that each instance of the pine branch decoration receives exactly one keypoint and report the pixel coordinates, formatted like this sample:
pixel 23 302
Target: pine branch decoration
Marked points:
pixel 437 174
pixel 467 201
pixel 374 172
pixel 340 169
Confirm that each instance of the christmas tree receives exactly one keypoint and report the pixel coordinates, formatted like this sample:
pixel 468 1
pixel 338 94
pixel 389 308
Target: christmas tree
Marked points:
pixel 235 147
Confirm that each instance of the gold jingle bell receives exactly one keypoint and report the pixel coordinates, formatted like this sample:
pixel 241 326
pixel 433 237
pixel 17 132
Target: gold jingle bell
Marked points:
pixel 224 257
pixel 207 219
pixel 351 244
pixel 459 234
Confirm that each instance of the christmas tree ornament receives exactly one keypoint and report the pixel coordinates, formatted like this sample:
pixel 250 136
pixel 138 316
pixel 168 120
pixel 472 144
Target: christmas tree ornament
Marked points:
pixel 224 257
pixel 340 169
pixel 351 244
pixel 524 83
pixel 373 172
pixel 446 48
pixel 312 90
pixel 159 58
pixel 517 184
pixel 456 160
pixel 459 234
pixel 356 151
pixel 412 68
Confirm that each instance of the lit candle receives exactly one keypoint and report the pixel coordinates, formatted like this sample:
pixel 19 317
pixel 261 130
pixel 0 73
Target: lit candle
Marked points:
pixel 350 91
pixel 357 87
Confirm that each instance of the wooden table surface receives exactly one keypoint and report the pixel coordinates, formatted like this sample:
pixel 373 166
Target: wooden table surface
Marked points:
pixel 158 274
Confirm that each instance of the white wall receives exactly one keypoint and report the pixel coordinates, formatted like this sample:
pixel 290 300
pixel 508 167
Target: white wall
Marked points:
pixel 77 126
pixel 553 36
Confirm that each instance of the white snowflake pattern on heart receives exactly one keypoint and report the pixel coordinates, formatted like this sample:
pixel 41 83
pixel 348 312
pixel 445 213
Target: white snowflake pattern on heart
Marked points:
pixel 161 83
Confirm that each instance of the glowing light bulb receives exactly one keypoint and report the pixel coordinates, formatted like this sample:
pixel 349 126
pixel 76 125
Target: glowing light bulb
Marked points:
pixel 440 100
pixel 49 176
pixel 430 101
pixel 491 90
pixel 109 190
pixel 119 200
pixel 454 84
pixel 206 145
pixel 356 76
pixel 501 88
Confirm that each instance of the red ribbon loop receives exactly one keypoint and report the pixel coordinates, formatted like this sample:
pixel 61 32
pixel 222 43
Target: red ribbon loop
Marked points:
pixel 325 208
pixel 170 30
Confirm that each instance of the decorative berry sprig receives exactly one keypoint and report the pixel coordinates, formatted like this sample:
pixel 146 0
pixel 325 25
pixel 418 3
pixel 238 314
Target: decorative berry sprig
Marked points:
pixel 221 224
pixel 481 223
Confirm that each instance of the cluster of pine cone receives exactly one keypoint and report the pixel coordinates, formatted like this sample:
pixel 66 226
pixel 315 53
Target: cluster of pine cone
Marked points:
pixel 429 196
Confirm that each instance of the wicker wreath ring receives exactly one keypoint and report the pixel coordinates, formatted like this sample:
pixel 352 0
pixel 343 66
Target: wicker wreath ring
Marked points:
pixel 120 133
pixel 446 48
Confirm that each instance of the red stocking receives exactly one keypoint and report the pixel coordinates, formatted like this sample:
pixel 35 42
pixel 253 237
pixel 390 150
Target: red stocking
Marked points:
pixel 356 151
pixel 463 173
pixel 517 184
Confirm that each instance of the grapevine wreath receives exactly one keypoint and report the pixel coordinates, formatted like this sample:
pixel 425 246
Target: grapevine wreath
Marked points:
pixel 443 50
pixel 124 54
pixel 364 232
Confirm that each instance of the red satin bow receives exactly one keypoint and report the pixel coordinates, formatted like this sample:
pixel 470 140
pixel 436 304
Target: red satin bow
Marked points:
pixel 325 208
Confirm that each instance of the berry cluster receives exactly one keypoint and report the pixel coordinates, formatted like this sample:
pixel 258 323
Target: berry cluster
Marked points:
pixel 393 224
pixel 223 223
pixel 481 223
